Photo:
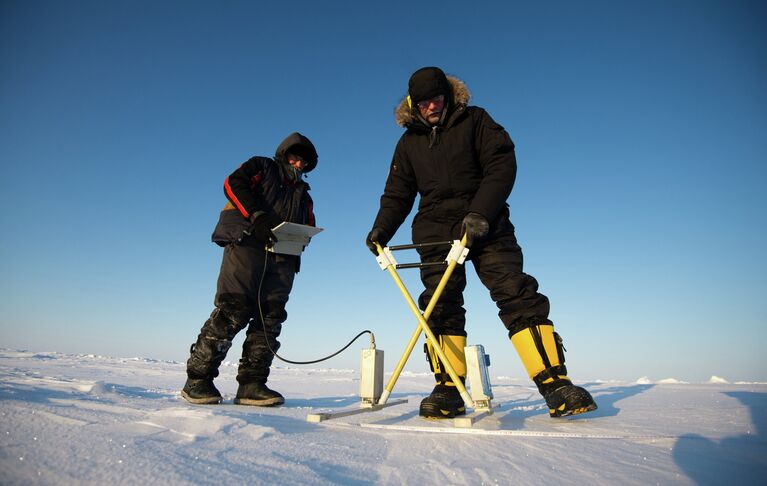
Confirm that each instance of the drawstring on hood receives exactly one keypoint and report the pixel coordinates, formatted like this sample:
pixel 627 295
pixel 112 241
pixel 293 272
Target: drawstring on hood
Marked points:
pixel 289 174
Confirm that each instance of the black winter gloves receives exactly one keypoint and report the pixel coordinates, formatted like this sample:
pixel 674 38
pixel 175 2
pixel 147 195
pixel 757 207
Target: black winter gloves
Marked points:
pixel 475 226
pixel 261 225
pixel 376 235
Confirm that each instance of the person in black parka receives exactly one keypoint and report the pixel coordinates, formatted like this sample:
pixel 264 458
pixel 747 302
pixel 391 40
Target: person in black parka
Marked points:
pixel 462 164
pixel 261 194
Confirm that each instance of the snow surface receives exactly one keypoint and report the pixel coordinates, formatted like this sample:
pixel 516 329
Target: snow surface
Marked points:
pixel 74 419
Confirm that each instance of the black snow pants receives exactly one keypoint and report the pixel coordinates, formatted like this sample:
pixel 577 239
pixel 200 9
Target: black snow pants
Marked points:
pixel 237 307
pixel 497 260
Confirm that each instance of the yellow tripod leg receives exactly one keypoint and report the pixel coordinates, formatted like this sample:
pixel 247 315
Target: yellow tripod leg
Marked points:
pixel 424 326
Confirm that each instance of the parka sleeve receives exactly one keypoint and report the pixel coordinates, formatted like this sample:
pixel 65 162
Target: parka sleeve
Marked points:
pixel 239 187
pixel 499 166
pixel 399 193
pixel 311 219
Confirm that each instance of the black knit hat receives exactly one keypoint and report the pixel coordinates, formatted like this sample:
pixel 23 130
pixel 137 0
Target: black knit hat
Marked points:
pixel 427 83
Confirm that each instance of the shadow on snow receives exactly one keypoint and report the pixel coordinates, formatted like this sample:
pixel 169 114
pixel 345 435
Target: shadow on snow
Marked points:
pixel 739 459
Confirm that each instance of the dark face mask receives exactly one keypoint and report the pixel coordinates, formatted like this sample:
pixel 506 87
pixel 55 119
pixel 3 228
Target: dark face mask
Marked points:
pixel 289 173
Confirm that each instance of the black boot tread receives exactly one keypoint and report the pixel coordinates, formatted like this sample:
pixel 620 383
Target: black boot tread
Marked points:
pixel 565 399
pixel 444 403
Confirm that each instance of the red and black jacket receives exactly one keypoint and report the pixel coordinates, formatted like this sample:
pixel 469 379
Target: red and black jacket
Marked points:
pixel 264 185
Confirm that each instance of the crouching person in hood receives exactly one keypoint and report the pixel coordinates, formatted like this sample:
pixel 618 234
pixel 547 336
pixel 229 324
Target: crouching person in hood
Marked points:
pixel 462 164
pixel 253 284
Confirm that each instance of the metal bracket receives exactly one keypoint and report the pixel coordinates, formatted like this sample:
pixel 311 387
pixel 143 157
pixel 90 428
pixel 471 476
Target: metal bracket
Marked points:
pixel 483 405
pixel 322 416
pixel 467 421
pixel 458 252
pixel 385 259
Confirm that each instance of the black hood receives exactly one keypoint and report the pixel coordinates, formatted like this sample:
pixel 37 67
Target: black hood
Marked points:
pixel 298 144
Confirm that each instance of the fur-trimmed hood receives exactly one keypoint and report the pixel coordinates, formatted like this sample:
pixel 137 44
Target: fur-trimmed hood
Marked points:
pixel 403 115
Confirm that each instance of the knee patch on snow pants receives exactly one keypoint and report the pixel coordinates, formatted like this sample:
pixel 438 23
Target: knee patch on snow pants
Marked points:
pixel 206 354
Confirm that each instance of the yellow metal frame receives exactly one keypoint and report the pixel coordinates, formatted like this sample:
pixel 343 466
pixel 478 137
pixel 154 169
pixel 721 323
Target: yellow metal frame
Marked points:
pixel 423 326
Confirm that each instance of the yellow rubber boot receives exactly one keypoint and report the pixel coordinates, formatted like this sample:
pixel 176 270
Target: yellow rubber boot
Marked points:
pixel 453 347
pixel 543 355
pixel 538 348
pixel 445 401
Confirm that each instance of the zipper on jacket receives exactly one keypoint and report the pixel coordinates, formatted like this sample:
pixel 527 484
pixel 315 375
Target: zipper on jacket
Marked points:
pixel 433 136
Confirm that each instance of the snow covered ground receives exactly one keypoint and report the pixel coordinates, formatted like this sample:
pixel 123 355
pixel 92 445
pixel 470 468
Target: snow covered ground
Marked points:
pixel 70 419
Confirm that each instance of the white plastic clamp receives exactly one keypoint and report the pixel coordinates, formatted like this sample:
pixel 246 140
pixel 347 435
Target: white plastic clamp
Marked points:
pixel 385 259
pixel 458 252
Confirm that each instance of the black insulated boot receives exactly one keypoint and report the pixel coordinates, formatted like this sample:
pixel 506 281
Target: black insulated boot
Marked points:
pixel 444 402
pixel 564 399
pixel 200 391
pixel 258 394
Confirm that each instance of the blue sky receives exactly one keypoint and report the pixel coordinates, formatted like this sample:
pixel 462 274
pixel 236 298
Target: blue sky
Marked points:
pixel 641 134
